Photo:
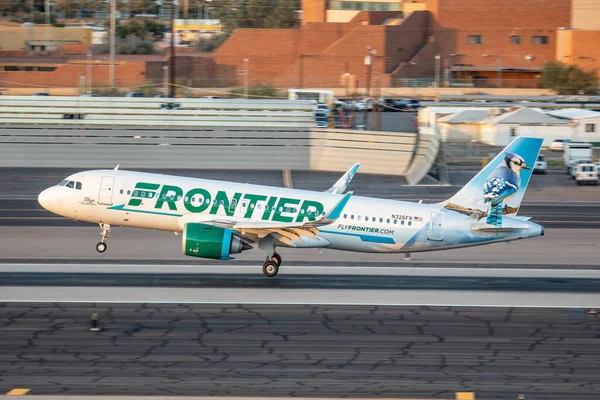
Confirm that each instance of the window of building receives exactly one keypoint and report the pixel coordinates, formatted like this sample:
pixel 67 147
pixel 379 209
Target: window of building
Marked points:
pixel 540 39
pixel 590 127
pixel 475 39
pixel 515 39
pixel 358 5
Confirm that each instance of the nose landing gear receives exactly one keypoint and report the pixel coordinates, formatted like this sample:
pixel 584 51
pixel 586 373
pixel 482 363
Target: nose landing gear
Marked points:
pixel 271 265
pixel 101 246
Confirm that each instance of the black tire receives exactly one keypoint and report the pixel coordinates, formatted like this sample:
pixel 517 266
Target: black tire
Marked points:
pixel 277 258
pixel 270 269
pixel 101 247
pixel 579 183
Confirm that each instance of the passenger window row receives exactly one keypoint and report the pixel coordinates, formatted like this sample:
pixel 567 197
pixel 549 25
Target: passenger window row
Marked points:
pixel 71 184
pixel 374 219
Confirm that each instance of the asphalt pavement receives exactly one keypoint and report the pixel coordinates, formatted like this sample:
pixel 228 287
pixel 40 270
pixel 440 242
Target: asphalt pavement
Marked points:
pixel 326 351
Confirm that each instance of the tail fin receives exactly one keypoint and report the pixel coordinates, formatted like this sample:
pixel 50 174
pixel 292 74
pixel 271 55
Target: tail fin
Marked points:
pixel 471 199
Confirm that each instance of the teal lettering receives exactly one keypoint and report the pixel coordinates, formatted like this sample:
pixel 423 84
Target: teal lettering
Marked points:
pixel 315 207
pixel 253 199
pixel 281 206
pixel 206 200
pixel 228 207
pixel 168 195
pixel 269 208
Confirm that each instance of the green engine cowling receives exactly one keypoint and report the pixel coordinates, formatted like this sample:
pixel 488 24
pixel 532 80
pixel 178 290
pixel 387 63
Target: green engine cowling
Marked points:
pixel 200 240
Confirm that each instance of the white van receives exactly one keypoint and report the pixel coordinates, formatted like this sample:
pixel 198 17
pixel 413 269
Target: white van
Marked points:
pixel 586 173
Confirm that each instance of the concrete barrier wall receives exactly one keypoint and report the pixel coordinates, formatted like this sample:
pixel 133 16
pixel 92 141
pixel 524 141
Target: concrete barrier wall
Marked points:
pixel 388 153
pixel 200 134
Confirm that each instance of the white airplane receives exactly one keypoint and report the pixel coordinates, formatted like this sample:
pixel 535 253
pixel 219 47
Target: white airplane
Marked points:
pixel 223 218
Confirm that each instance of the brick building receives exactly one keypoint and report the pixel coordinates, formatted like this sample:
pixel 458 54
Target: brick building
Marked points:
pixel 478 43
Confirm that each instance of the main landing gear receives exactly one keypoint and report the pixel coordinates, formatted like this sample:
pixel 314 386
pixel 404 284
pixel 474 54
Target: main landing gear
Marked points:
pixel 101 246
pixel 271 265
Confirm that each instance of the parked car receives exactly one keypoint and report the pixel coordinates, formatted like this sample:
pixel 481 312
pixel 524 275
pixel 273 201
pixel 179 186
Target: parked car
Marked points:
pixel 558 144
pixel 91 95
pixel 587 173
pixel 41 94
pixel 389 105
pixel 408 104
pixel 135 94
pixel 575 164
pixel 360 105
pixel 541 166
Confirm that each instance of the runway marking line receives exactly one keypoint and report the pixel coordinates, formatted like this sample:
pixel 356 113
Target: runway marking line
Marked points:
pixel 18 392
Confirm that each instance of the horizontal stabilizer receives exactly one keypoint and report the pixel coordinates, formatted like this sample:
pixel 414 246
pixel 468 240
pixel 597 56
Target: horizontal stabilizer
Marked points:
pixel 496 229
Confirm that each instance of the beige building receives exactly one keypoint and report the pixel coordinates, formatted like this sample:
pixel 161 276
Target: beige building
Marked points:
pixel 585 14
pixel 41 38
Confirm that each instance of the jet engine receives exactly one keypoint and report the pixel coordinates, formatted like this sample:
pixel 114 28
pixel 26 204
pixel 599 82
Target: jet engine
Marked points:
pixel 206 241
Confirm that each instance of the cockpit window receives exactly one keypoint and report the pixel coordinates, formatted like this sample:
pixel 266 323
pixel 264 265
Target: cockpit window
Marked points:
pixel 63 183
pixel 78 185
pixel 71 184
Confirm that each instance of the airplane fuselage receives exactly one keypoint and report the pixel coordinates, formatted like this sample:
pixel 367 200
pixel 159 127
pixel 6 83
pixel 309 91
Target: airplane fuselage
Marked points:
pixel 163 202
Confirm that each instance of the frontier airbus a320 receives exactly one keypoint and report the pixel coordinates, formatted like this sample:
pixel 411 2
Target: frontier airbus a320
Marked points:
pixel 223 218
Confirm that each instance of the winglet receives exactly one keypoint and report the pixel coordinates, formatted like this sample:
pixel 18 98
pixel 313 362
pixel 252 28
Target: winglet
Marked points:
pixel 334 213
pixel 117 167
pixel 342 184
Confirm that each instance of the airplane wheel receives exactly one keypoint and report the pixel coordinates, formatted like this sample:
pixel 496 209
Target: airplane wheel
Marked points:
pixel 277 258
pixel 101 247
pixel 270 269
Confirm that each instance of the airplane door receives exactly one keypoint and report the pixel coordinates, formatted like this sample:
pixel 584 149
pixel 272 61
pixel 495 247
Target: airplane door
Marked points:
pixel 436 226
pixel 106 190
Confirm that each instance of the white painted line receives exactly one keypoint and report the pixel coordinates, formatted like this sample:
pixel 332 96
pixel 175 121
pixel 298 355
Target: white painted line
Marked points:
pixel 337 297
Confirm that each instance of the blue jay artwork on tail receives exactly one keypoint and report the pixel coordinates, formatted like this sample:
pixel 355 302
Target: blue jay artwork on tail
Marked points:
pixel 502 184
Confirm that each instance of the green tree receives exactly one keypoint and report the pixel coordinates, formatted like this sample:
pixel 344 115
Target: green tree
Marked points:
pixel 257 14
pixel 143 29
pixel 569 79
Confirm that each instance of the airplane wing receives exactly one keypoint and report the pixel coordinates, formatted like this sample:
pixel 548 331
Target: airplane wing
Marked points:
pixel 342 184
pixel 254 231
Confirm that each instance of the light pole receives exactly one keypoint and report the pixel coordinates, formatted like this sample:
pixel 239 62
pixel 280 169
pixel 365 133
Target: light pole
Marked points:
pixel 172 58
pixel 113 29
pixel 47 29
pixel 499 66
pixel 89 72
pixel 347 84
pixel 437 70
pixel 369 64
pixel 165 80
pixel 246 62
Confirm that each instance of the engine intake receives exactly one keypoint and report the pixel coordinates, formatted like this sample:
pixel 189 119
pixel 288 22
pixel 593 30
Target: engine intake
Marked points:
pixel 206 241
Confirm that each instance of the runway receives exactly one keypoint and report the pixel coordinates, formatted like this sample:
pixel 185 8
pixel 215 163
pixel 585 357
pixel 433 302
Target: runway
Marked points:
pixel 353 351
pixel 300 285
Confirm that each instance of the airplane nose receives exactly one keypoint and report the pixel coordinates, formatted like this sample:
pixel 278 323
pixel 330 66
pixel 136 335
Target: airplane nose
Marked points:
pixel 45 197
